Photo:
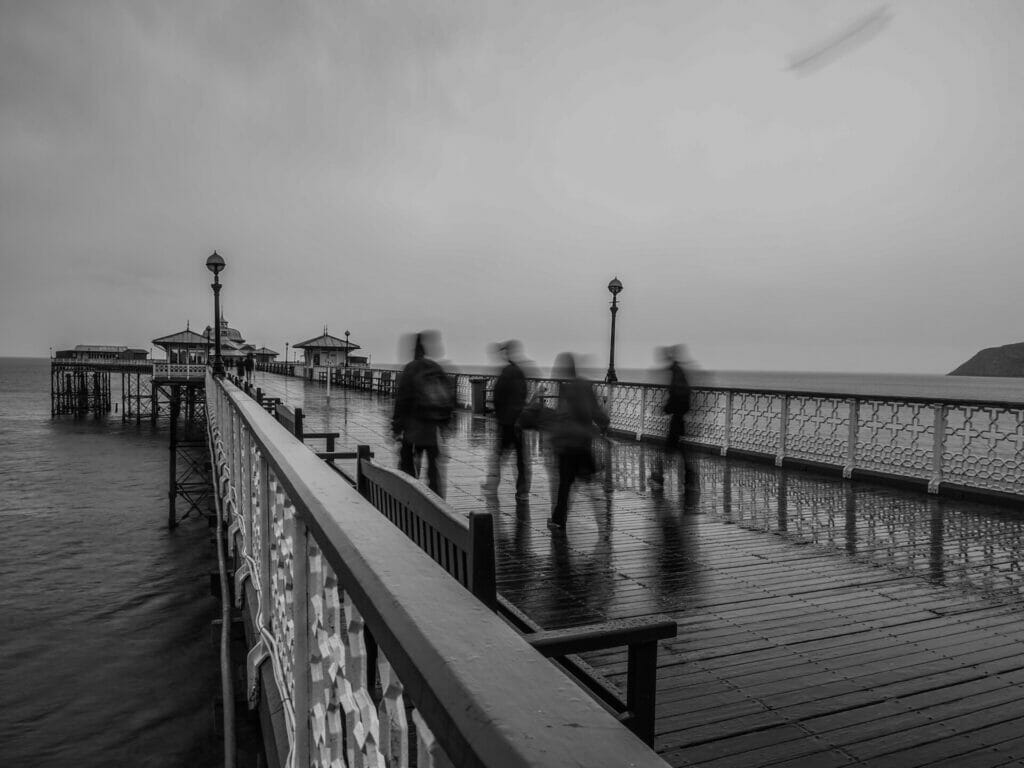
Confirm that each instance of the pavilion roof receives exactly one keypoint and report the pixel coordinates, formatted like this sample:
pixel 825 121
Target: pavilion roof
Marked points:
pixel 187 338
pixel 100 348
pixel 326 341
pixel 266 351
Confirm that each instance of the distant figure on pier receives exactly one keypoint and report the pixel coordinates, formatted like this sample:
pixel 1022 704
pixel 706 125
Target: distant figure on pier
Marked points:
pixel 424 402
pixel 677 405
pixel 240 370
pixel 250 366
pixel 577 419
pixel 509 400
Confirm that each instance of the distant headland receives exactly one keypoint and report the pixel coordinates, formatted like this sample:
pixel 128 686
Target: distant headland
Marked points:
pixel 1007 360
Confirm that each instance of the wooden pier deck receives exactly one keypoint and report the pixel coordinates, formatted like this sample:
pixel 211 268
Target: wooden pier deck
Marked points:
pixel 821 622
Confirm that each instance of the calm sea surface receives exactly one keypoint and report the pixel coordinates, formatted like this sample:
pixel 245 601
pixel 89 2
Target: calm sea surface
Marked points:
pixel 105 650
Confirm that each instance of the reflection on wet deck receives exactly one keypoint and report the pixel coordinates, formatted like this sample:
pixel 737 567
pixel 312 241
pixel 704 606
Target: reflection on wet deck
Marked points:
pixel 822 622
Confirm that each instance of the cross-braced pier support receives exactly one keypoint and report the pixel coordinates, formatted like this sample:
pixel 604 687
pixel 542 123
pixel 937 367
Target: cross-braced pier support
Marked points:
pixel 188 468
pixel 78 390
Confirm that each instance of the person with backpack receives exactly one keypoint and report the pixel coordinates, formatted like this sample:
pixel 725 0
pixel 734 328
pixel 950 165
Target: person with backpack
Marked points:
pixel 424 402
pixel 509 400
pixel 577 420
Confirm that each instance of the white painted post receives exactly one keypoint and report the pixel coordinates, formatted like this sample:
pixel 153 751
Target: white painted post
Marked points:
pixel 851 438
pixel 643 413
pixel 938 447
pixel 728 423
pixel 783 429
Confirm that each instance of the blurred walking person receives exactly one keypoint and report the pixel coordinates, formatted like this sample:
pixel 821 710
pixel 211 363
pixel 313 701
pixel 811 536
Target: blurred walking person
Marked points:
pixel 677 405
pixel 250 366
pixel 509 401
pixel 424 402
pixel 577 420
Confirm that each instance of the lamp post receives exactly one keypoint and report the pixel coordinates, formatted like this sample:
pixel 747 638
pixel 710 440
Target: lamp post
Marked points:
pixel 346 349
pixel 614 287
pixel 216 265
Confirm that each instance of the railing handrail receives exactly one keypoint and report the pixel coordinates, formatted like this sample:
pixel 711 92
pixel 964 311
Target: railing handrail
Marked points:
pixel 488 697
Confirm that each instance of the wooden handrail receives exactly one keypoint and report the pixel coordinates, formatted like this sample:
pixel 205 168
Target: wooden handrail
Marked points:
pixel 475 681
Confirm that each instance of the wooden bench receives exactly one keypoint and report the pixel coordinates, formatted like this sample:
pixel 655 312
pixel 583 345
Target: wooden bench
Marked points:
pixel 464 547
pixel 292 420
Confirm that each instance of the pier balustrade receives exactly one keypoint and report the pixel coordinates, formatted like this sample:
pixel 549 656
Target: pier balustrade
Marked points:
pixel 359 624
pixel 938 442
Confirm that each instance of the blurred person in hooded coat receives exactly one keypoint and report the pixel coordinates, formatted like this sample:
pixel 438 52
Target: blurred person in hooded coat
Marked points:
pixel 424 402
pixel 577 420
pixel 509 396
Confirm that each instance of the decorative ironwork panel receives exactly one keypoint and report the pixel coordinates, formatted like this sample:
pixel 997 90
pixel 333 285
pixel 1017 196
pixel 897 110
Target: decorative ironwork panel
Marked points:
pixel 344 725
pixel 895 437
pixel 817 428
pixel 258 534
pixel 755 421
pixel 705 423
pixel 625 407
pixel 282 582
pixel 984 447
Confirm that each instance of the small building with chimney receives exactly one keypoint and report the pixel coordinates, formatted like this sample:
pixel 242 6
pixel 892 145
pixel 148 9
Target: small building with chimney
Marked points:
pixel 265 355
pixel 326 351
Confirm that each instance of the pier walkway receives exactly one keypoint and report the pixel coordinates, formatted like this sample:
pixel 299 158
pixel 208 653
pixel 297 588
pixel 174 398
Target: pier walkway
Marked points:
pixel 822 622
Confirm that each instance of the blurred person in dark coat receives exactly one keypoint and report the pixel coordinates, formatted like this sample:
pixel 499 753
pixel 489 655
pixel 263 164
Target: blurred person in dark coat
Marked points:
pixel 677 405
pixel 577 420
pixel 424 402
pixel 509 400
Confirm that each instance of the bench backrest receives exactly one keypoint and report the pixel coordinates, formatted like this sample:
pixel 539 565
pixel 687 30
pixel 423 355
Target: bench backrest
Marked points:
pixel 462 545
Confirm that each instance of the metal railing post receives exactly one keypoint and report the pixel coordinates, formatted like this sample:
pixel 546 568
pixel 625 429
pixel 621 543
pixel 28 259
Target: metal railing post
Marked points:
pixel 728 423
pixel 783 430
pixel 643 413
pixel 851 438
pixel 938 447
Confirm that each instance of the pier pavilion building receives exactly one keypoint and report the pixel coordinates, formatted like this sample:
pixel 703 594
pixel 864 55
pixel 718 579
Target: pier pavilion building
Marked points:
pixel 326 351
pixel 233 346
pixel 265 355
pixel 94 352
pixel 185 347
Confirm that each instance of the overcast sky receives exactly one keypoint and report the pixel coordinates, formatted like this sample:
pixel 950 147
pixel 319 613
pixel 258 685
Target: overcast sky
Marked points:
pixel 485 167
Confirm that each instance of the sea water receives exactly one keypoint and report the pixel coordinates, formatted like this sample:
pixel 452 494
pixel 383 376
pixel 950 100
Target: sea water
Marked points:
pixel 106 657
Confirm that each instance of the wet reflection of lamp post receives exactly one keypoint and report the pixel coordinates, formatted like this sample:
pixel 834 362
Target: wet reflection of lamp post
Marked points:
pixel 216 265
pixel 614 287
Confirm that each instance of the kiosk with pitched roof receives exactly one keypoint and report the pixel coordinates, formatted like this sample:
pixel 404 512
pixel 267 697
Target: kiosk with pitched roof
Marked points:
pixel 324 354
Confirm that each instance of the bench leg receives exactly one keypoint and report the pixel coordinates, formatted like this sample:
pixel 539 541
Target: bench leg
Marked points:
pixel 641 689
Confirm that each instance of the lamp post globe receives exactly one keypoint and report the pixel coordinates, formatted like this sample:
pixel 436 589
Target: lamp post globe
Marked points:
pixel 215 263
pixel 614 288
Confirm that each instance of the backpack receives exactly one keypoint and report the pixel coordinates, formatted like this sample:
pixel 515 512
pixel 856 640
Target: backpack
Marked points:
pixel 433 393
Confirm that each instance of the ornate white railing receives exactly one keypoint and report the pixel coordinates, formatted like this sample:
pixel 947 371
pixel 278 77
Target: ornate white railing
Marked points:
pixel 974 443
pixel 357 622
pixel 165 370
